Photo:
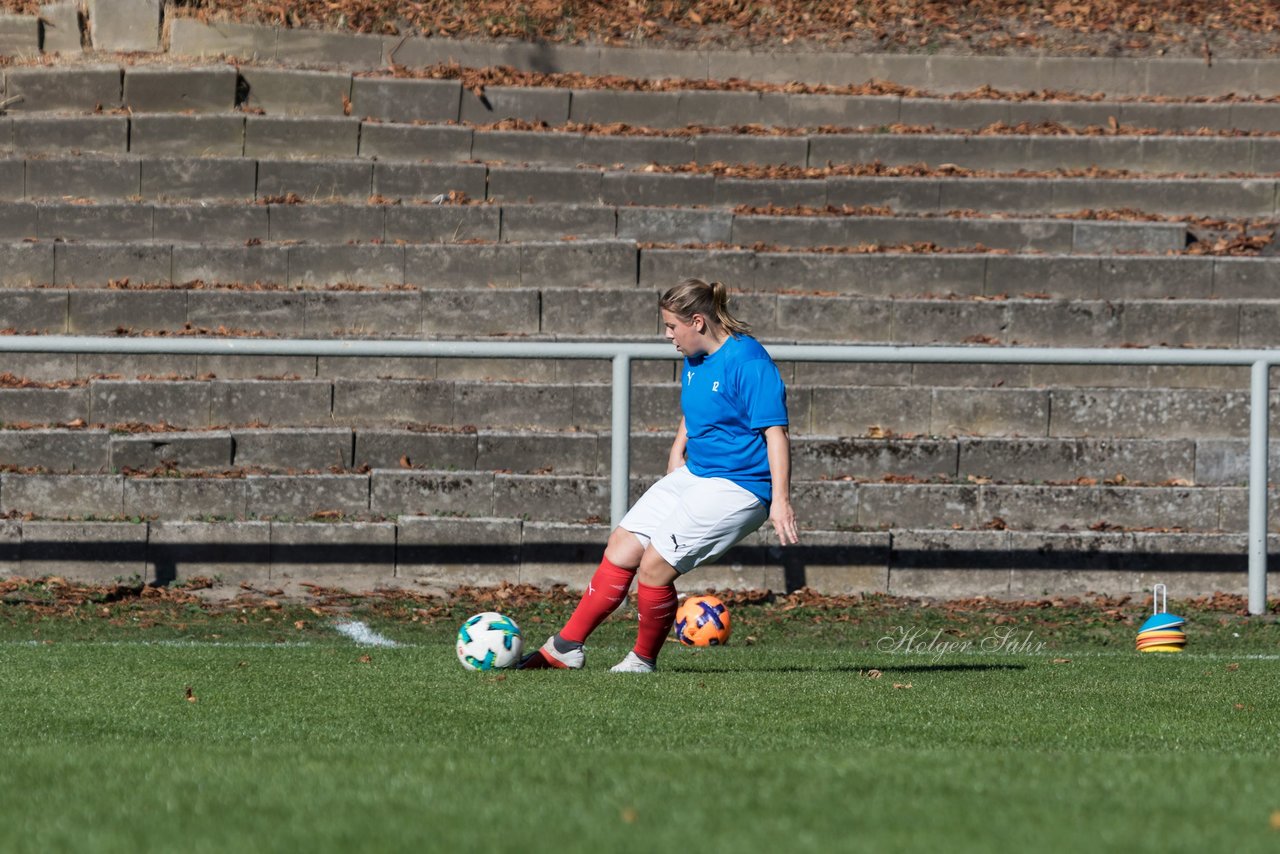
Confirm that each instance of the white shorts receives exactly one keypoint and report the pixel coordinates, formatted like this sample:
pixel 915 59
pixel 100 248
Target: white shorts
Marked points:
pixel 693 520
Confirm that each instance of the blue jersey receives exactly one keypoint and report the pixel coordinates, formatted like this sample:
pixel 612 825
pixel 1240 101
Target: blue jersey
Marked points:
pixel 728 398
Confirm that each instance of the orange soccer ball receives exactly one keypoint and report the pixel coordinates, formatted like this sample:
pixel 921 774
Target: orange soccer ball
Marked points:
pixel 702 621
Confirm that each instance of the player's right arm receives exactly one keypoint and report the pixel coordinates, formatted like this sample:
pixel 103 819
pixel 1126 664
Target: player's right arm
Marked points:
pixel 676 458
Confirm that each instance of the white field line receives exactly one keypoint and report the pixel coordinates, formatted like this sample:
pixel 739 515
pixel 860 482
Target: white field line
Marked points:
pixel 177 643
pixel 355 630
pixel 363 635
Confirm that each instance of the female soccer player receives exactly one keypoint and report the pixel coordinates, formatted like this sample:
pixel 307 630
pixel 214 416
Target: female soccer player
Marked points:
pixel 729 469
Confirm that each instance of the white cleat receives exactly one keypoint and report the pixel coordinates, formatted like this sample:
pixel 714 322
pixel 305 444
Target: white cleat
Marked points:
pixel 633 664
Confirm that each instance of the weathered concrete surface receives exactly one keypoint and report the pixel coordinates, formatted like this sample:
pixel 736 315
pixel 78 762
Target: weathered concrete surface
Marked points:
pixel 350 555
pixel 293 448
pixel 189 451
pixel 941 563
pixel 84 551
pixel 85 451
pixel 395 492
pixel 180 550
pixel 180 89
pixel 559 553
pixel 61 26
pixel 319 496
pixel 124 25
pixel 448 552
pixel 71 87
pixel 61 496
pixel 294 92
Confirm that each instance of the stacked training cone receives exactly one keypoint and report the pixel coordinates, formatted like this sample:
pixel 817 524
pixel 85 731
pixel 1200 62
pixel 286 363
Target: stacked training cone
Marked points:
pixel 1162 632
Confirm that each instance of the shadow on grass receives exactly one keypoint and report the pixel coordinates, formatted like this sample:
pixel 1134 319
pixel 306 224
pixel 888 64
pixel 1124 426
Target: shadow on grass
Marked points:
pixel 851 668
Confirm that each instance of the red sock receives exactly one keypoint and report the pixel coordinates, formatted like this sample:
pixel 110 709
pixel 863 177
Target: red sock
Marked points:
pixel 605 592
pixel 656 608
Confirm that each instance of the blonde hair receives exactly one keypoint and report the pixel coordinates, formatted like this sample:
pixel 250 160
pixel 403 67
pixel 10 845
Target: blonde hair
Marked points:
pixel 711 300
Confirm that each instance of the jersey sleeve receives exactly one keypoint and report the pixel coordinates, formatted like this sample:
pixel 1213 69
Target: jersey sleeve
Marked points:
pixel 763 394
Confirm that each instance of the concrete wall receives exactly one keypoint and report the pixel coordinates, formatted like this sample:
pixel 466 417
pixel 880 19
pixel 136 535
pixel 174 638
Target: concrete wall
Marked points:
pixel 440 553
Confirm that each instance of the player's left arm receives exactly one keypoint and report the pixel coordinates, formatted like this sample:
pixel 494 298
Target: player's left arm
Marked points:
pixel 778 442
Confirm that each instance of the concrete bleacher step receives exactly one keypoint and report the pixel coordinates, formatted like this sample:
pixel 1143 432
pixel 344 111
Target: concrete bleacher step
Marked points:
pixel 839 504
pixel 1148 382
pixel 159 178
pixel 1227 197
pixel 281 90
pixel 1198 461
pixel 1006 152
pixel 447 552
pixel 413 224
pixel 1119 75
pixel 621 264
pixel 413 311
pixel 1082 411
pixel 237 134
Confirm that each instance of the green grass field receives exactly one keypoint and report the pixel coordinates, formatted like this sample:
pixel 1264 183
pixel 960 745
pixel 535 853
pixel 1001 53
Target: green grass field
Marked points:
pixel 292 738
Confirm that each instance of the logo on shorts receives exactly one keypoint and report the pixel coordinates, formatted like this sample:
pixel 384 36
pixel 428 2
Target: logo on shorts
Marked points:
pixel 674 542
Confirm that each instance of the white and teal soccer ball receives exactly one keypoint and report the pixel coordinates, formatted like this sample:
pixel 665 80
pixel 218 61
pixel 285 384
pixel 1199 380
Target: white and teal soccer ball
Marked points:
pixel 489 641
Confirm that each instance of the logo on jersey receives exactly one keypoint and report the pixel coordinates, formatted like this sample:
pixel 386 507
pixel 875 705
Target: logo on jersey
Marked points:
pixel 688 378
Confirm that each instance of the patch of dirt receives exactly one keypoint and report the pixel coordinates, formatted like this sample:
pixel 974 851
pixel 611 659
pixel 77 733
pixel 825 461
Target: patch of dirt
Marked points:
pixel 878 169
pixel 54 596
pixel 1055 129
pixel 1207 29
pixel 476 79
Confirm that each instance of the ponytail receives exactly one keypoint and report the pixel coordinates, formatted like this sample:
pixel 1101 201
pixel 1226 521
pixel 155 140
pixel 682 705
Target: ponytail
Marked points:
pixel 694 296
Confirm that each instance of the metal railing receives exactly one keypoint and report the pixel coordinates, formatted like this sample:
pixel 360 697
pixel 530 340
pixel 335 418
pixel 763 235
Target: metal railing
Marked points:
pixel 622 355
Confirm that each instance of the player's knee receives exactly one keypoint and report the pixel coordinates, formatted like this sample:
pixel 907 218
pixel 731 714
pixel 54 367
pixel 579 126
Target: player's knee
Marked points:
pixel 654 569
pixel 623 549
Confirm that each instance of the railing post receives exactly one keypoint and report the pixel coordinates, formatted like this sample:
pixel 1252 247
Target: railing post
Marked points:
pixel 1259 402
pixel 620 454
